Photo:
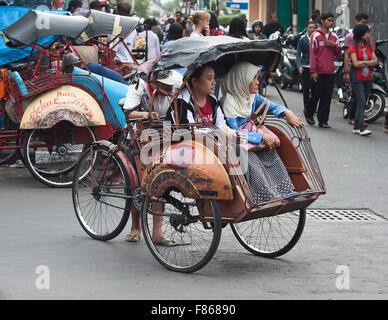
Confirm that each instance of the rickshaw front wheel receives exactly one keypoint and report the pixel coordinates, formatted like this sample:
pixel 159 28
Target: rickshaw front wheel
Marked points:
pixel 191 229
pixel 101 193
pixel 271 237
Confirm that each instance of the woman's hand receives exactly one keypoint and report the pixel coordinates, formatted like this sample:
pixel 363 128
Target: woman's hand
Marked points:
pixel 293 120
pixel 270 141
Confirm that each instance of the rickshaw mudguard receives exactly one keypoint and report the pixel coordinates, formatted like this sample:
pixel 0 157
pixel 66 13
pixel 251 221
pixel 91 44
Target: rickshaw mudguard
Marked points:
pixel 65 103
pixel 127 164
pixel 191 168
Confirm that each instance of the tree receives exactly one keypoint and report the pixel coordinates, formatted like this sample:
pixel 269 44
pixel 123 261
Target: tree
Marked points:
pixel 141 8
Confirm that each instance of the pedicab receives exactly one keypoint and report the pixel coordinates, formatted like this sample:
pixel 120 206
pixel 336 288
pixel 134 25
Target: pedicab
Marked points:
pixel 101 38
pixel 58 111
pixel 186 178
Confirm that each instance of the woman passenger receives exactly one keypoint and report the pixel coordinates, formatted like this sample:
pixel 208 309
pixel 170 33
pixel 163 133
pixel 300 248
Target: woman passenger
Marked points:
pixel 267 175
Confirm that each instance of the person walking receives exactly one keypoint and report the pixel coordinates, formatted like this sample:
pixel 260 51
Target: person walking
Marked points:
pixel 359 18
pixel 363 58
pixel 237 29
pixel 201 22
pixel 324 47
pixel 303 65
pixel 153 44
pixel 273 26
pixel 316 17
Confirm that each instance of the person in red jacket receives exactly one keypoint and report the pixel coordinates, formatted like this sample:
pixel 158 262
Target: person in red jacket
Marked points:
pixel 324 47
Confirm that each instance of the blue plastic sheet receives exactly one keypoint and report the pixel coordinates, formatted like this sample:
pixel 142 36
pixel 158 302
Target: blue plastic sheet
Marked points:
pixel 8 16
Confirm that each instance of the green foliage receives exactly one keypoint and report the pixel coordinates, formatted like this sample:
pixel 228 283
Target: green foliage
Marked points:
pixel 171 5
pixel 225 20
pixel 141 8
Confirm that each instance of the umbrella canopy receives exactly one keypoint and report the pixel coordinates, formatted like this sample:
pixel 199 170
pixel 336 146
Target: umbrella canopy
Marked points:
pixel 38 24
pixel 222 51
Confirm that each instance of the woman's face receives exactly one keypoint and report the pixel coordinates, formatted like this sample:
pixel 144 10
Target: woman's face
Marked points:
pixel 254 84
pixel 204 23
pixel 257 29
pixel 365 37
pixel 206 83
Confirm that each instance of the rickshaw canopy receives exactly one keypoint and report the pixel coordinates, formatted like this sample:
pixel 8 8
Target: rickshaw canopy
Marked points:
pixel 222 51
pixel 107 24
pixel 38 24
pixel 8 16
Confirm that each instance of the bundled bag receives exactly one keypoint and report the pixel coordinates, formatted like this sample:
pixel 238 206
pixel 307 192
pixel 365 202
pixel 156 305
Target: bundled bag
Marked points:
pixel 251 126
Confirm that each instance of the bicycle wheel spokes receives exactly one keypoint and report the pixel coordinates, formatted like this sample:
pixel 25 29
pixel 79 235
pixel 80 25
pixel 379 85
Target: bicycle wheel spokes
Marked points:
pixel 271 236
pixel 100 194
pixel 195 240
pixel 52 155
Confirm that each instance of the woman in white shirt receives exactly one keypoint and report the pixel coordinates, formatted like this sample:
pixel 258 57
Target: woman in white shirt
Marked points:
pixel 201 21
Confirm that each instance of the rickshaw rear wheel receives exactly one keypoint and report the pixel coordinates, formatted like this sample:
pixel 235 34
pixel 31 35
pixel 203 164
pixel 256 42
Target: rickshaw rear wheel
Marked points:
pixel 192 237
pixel 99 208
pixel 51 163
pixel 271 237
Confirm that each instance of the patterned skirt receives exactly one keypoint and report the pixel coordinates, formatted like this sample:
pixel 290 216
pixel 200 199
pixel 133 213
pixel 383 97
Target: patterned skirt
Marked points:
pixel 267 175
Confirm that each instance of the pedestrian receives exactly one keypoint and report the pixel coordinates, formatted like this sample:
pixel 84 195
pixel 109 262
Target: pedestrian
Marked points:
pixel 273 26
pixel 122 55
pixel 359 18
pixel 316 17
pixel 96 5
pixel 324 47
pixel 303 65
pixel 174 33
pixel 256 33
pixel 201 22
pixel 57 4
pixel 179 19
pixel 153 43
pixel 386 119
pixel 237 29
pixel 363 58
pixel 75 8
pixel 214 26
pixel 142 94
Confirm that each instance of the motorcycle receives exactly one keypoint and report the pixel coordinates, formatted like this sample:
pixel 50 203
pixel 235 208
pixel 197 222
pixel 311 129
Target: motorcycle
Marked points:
pixel 376 100
pixel 287 72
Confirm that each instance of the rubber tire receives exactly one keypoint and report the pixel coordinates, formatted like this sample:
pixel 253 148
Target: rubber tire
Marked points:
pixel 120 227
pixel 217 229
pixel 282 251
pixel 381 110
pixel 41 177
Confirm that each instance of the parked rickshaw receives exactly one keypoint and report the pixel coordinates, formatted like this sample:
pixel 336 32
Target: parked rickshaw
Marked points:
pixel 193 198
pixel 58 111
pixel 104 34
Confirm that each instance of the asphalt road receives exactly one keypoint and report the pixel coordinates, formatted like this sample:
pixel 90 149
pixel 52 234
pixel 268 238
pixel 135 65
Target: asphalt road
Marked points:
pixel 333 259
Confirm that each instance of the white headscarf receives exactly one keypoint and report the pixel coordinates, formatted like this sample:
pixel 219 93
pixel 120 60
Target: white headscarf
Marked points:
pixel 237 101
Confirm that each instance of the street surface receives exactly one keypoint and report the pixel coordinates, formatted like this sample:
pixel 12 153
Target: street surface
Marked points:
pixel 332 260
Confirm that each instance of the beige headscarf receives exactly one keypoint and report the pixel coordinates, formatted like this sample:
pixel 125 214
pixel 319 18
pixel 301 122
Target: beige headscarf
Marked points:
pixel 236 100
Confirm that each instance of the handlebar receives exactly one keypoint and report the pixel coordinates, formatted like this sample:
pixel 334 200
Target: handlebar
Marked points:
pixel 380 42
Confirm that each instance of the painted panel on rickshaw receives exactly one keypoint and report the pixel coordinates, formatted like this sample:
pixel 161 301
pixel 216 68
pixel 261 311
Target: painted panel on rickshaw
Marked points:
pixel 195 168
pixel 64 103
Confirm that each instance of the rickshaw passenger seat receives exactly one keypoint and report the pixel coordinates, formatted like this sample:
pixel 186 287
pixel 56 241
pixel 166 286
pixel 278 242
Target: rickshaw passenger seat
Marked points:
pixel 17 66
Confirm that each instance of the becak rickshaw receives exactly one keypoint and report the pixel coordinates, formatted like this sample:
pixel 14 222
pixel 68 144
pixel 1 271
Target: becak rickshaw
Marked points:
pixel 186 178
pixel 58 107
pixel 104 35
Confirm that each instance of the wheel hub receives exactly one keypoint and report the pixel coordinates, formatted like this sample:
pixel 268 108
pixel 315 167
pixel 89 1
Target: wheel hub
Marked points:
pixel 61 149
pixel 96 193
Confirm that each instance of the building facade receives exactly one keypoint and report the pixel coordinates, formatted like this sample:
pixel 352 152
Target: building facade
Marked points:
pixel 291 13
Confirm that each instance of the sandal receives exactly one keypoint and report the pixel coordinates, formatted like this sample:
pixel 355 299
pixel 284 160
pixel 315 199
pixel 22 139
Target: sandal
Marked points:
pixel 132 237
pixel 166 243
